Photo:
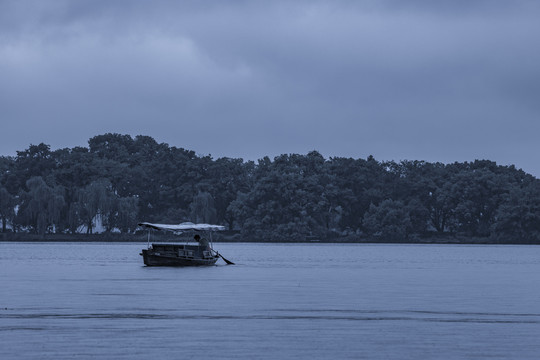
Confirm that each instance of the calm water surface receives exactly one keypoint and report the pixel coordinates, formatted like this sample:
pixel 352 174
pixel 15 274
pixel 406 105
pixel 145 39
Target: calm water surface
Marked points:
pixel 302 301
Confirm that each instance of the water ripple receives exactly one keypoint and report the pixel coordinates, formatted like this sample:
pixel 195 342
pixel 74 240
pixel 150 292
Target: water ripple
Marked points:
pixel 326 315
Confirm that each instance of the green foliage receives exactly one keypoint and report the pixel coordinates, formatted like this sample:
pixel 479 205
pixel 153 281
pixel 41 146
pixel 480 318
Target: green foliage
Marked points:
pixel 125 214
pixel 519 215
pixel 202 208
pixel 41 205
pixel 7 207
pixel 120 180
pixel 93 200
pixel 388 221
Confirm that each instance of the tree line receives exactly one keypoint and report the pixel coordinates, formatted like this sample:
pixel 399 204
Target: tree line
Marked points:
pixel 120 180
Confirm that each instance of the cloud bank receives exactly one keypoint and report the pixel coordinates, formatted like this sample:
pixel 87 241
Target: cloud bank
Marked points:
pixel 436 81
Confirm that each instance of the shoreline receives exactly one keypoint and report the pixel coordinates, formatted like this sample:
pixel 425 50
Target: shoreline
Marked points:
pixel 155 238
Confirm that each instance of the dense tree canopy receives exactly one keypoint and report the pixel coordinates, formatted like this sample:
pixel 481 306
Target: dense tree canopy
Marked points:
pixel 118 180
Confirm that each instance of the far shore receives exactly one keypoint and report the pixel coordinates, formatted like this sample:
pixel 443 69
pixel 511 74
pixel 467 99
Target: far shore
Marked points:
pixel 143 237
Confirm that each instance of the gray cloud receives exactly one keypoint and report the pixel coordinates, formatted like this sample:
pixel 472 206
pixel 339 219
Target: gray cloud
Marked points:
pixel 440 81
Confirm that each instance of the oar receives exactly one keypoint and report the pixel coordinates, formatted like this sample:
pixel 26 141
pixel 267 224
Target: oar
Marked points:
pixel 227 261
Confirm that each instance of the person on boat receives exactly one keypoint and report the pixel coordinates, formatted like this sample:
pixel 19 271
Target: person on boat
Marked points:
pixel 202 242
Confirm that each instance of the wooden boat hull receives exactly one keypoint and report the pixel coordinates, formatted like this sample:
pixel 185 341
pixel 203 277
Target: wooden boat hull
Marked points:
pixel 159 260
pixel 177 255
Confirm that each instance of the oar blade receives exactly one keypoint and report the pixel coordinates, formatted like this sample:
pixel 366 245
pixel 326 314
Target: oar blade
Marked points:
pixel 227 261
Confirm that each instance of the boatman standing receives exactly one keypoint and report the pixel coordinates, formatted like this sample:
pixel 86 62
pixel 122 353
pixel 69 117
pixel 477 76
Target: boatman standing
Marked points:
pixel 202 242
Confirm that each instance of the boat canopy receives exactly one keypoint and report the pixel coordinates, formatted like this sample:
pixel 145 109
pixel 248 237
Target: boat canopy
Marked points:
pixel 186 226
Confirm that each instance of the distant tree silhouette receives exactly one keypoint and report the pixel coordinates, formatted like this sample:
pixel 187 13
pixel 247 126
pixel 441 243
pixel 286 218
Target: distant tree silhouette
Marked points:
pixel 120 180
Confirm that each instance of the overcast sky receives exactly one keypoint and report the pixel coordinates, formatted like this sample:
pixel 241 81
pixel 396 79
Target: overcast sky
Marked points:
pixel 420 80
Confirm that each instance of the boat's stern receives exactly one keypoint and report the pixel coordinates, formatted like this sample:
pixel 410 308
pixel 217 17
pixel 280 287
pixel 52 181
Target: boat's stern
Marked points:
pixel 144 254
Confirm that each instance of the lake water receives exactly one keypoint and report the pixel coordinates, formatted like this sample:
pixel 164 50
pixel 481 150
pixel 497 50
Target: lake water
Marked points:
pixel 301 301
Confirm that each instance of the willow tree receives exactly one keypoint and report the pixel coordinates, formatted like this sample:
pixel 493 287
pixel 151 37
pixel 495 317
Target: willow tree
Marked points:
pixel 126 214
pixel 94 200
pixel 42 205
pixel 202 208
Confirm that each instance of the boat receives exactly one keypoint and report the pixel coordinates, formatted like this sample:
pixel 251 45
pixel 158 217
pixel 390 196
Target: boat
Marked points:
pixel 201 254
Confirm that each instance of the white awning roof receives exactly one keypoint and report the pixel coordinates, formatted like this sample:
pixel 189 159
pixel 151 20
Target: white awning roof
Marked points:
pixel 183 227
